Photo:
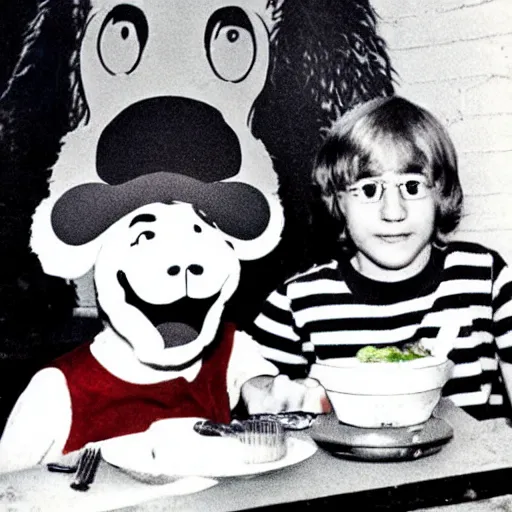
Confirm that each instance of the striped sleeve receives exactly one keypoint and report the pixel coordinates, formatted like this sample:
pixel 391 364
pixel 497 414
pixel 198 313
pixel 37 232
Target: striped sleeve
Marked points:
pixel 502 307
pixel 275 330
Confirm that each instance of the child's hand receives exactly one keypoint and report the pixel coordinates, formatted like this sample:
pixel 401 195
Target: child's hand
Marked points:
pixel 266 394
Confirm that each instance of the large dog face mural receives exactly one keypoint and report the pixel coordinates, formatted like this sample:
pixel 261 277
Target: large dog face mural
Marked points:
pixel 228 98
pixel 160 99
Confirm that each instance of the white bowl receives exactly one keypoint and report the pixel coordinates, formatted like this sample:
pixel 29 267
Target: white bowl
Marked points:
pixel 376 395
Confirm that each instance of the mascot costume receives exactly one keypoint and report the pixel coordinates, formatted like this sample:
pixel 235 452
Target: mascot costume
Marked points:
pixel 163 275
pixel 216 103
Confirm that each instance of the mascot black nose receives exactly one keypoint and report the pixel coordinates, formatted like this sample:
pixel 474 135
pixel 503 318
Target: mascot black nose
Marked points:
pixel 195 269
pixel 169 134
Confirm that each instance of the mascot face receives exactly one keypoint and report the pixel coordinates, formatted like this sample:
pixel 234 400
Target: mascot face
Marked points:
pixel 169 87
pixel 163 275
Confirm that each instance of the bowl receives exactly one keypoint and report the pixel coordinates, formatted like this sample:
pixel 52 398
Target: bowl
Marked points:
pixel 372 395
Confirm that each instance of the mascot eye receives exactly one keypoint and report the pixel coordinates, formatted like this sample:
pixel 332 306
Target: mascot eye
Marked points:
pixel 145 235
pixel 204 218
pixel 230 44
pixel 122 39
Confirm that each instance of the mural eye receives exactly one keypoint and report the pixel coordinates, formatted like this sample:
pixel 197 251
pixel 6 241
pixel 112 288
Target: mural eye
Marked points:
pixel 197 228
pixel 230 44
pixel 145 235
pixel 122 39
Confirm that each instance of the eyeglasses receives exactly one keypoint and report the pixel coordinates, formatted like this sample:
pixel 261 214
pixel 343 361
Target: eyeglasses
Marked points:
pixel 371 190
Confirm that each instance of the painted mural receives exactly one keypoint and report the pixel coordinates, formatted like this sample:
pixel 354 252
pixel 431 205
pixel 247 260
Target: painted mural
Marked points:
pixel 107 106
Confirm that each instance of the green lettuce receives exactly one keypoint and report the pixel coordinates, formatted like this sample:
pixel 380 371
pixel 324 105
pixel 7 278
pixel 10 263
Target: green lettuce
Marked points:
pixel 409 352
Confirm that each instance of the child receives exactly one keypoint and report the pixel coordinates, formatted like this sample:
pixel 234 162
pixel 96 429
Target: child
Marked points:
pixel 388 173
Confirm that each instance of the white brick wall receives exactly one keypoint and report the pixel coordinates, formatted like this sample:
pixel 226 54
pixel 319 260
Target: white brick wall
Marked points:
pixel 454 57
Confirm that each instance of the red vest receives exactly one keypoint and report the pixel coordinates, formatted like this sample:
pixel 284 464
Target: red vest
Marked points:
pixel 104 406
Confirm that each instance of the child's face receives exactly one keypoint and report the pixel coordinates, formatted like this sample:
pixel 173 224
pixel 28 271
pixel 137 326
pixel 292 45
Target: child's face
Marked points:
pixel 390 219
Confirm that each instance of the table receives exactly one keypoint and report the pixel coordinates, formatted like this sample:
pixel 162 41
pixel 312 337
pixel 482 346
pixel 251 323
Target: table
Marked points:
pixel 475 465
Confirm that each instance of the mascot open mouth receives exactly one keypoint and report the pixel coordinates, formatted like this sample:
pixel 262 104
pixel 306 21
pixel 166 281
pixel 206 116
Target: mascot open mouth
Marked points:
pixel 178 323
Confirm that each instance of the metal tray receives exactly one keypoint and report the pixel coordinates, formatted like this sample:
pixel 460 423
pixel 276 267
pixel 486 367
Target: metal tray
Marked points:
pixel 380 444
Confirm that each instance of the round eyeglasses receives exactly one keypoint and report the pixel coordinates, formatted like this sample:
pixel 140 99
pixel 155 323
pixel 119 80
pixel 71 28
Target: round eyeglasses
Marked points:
pixel 371 190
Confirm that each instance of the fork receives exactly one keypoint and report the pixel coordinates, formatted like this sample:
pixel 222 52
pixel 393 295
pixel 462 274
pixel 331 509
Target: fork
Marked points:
pixel 87 466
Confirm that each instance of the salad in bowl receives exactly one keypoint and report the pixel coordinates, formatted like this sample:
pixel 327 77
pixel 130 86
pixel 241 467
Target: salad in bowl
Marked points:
pixel 386 386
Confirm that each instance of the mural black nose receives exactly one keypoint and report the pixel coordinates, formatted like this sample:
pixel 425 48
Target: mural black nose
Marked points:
pixel 170 134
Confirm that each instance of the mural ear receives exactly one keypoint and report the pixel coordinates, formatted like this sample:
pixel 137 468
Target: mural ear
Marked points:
pixel 14 19
pixel 318 70
pixel 339 56
pixel 39 41
pixel 273 16
pixel 325 66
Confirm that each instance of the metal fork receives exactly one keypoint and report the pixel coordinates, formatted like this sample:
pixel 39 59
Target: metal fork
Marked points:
pixel 87 466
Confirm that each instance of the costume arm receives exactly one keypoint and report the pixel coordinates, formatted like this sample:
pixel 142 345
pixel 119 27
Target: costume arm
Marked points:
pixel 275 330
pixel 502 318
pixel 262 389
pixel 38 426
pixel 245 363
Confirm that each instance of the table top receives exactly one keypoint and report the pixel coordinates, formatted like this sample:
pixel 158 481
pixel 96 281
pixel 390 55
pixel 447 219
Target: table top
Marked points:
pixel 471 466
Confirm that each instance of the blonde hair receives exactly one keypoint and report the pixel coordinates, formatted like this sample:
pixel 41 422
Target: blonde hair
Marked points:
pixel 353 145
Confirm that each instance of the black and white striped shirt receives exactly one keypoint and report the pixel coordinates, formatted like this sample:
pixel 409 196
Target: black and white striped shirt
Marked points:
pixel 331 311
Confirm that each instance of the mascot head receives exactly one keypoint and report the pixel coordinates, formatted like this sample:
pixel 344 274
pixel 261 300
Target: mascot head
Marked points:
pixel 163 275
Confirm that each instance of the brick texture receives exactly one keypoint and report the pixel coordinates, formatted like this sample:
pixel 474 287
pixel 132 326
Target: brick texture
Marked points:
pixel 455 58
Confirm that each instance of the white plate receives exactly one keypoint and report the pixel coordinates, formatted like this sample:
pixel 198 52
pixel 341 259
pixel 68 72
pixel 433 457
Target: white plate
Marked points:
pixel 134 454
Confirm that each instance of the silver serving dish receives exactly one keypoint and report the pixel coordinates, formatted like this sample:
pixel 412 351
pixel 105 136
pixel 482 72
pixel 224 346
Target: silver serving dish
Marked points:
pixel 380 444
